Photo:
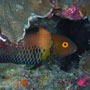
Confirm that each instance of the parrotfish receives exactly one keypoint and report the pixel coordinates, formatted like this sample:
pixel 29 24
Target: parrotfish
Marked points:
pixel 36 46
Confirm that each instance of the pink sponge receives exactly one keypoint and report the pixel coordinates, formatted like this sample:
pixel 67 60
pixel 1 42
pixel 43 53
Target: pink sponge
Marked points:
pixel 83 80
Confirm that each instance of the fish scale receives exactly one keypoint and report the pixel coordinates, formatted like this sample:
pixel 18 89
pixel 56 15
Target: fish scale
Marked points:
pixel 21 55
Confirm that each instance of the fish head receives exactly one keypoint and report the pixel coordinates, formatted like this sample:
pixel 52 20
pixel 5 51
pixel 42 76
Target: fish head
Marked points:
pixel 63 46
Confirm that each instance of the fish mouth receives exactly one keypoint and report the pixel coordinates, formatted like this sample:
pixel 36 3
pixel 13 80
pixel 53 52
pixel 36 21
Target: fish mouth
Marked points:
pixel 74 51
pixel 75 48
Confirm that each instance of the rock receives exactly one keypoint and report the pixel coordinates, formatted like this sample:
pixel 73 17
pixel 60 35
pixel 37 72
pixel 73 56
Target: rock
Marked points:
pixel 82 8
pixel 15 14
pixel 85 62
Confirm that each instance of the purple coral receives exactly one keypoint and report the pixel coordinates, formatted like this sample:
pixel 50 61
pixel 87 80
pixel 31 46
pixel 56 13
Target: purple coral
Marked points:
pixel 73 13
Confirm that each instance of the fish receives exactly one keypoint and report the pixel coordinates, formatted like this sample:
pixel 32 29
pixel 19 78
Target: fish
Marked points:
pixel 36 46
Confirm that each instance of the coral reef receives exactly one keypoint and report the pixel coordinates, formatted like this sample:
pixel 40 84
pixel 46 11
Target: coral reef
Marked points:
pixel 54 75
pixel 85 62
pixel 53 78
pixel 14 15
pixel 73 9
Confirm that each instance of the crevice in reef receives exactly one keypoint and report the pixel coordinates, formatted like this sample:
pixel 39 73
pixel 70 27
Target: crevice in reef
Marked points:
pixel 78 31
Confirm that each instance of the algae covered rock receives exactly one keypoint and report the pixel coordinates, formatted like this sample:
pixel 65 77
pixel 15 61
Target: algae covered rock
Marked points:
pixel 85 62
pixel 73 9
pixel 14 14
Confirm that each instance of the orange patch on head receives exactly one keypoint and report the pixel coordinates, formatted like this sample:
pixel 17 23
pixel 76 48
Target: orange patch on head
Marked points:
pixel 65 44
pixel 24 82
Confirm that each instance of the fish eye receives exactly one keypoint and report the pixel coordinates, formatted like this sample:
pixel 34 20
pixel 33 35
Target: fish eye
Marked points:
pixel 65 44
